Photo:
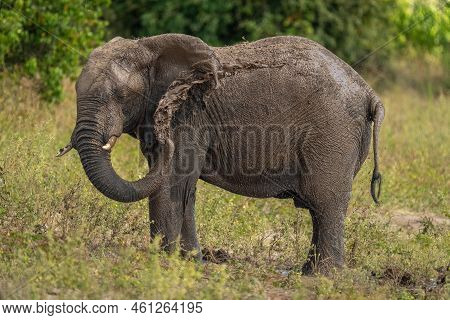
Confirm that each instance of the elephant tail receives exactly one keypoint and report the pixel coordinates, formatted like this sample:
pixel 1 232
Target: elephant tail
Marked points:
pixel 377 116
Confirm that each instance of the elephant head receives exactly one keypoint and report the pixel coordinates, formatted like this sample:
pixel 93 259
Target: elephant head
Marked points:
pixel 118 91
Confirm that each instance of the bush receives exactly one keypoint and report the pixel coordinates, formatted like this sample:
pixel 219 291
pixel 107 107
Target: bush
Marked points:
pixel 48 39
pixel 428 27
pixel 430 32
pixel 350 29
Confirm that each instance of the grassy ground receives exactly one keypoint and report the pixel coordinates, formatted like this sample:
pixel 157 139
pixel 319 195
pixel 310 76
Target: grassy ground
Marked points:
pixel 59 238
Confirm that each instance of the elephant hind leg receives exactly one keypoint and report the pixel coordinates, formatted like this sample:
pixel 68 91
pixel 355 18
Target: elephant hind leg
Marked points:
pixel 328 210
pixel 327 244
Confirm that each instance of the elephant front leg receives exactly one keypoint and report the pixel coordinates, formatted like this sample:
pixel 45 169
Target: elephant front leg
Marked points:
pixel 172 216
pixel 189 242
pixel 165 221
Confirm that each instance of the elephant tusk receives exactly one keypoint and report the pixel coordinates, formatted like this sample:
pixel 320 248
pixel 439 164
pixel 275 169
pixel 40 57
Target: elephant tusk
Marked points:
pixel 110 144
pixel 64 150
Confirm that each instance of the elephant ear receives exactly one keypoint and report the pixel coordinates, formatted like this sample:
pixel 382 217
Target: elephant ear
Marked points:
pixel 178 62
pixel 175 55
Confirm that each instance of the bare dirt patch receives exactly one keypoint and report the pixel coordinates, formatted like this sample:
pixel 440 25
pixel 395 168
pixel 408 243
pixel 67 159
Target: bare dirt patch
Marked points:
pixel 416 221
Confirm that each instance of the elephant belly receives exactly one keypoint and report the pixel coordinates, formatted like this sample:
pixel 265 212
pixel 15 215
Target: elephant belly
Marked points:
pixel 252 169
pixel 258 187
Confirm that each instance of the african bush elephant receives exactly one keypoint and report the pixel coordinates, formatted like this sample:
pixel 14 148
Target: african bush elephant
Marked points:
pixel 280 117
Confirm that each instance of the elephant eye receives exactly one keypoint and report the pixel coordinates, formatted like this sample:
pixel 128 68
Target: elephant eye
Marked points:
pixel 119 94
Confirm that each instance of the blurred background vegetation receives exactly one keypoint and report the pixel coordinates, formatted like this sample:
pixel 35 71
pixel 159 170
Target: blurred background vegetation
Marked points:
pixel 49 40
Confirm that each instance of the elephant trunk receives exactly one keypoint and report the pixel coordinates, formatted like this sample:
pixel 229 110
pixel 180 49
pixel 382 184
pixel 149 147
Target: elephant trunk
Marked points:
pixel 96 162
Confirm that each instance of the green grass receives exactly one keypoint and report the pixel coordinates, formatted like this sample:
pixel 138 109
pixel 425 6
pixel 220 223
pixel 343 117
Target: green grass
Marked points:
pixel 60 238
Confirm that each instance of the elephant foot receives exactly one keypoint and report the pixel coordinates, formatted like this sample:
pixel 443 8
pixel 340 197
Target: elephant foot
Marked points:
pixel 215 256
pixel 323 266
pixel 308 269
pixel 192 254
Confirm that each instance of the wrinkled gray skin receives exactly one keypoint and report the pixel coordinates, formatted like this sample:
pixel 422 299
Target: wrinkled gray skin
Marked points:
pixel 175 94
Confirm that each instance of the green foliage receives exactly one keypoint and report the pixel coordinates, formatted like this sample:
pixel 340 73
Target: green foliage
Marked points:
pixel 353 30
pixel 209 20
pixel 348 28
pixel 428 26
pixel 430 31
pixel 49 39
